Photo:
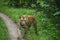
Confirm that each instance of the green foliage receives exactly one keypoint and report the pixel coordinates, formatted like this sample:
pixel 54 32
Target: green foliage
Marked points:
pixel 3 31
pixel 48 19
pixel 15 3
pixel 20 3
pixel 57 13
pixel 46 30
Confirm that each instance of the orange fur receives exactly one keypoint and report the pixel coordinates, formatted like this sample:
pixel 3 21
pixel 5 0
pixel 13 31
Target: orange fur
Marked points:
pixel 27 21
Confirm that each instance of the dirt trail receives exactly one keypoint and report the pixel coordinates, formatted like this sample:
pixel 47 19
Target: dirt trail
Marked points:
pixel 12 27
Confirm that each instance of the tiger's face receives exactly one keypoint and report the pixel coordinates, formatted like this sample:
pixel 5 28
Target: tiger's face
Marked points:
pixel 22 21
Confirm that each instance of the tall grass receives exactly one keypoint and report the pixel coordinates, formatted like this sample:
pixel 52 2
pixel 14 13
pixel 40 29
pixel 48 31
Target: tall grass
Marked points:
pixel 46 29
pixel 3 31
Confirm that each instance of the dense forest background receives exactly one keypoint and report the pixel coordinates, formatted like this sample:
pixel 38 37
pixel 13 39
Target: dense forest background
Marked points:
pixel 47 13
